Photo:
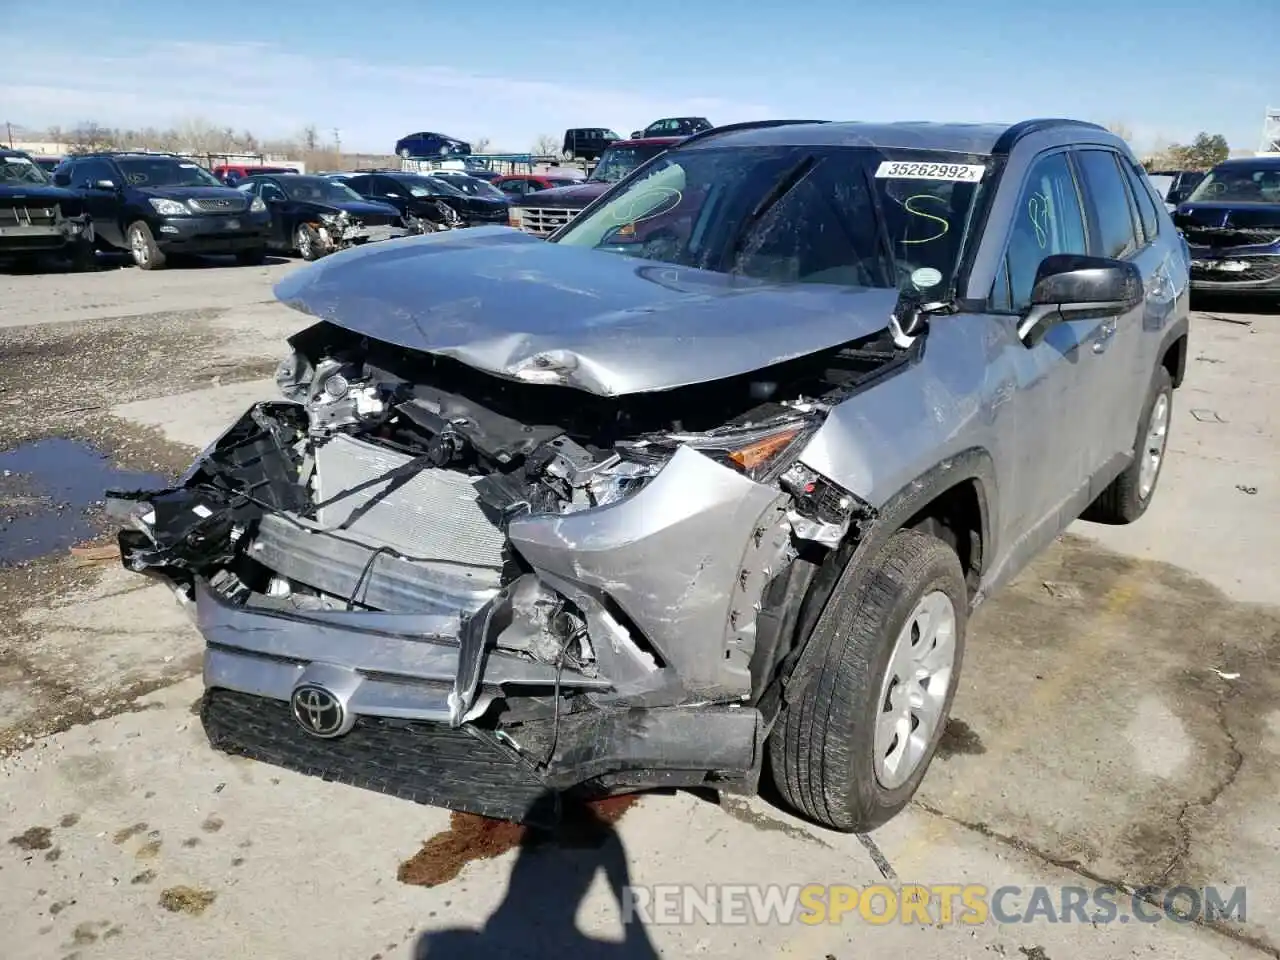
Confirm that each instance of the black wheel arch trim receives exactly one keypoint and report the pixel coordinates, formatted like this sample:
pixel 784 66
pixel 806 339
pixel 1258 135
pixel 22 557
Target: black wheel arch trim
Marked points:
pixel 972 465
pixel 1179 330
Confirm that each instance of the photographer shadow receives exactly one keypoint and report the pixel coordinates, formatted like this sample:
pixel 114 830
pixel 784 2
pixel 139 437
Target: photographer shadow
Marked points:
pixel 553 872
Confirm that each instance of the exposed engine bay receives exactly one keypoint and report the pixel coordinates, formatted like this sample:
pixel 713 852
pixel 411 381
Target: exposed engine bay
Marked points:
pixel 492 543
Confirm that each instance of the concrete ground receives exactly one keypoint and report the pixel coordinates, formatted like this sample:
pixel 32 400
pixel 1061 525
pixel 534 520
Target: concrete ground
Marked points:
pixel 1118 720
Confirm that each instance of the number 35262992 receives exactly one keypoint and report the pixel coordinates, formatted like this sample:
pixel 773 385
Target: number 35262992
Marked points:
pixel 910 170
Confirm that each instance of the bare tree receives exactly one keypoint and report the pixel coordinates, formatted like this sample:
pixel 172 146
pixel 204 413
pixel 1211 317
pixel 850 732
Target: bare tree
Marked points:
pixel 546 146
pixel 1120 129
pixel 310 138
pixel 480 145
pixel 90 136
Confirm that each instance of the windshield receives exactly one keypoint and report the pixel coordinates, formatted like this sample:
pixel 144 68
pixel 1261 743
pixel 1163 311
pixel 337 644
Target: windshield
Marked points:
pixel 167 172
pixel 844 215
pixel 1161 182
pixel 20 170
pixel 616 162
pixel 473 186
pixel 318 190
pixel 1240 183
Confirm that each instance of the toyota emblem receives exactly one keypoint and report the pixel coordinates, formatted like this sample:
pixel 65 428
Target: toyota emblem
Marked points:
pixel 318 711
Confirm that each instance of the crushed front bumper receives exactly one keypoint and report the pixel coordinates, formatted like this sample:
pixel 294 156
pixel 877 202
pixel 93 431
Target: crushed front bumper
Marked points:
pixel 1242 270
pixel 446 682
pixel 21 233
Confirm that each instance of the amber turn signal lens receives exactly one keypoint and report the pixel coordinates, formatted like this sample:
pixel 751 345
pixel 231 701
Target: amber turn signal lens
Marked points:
pixel 762 451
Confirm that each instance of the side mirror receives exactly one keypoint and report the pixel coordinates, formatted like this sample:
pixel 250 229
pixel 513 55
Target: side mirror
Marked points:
pixel 1071 286
pixel 62 179
pixel 102 185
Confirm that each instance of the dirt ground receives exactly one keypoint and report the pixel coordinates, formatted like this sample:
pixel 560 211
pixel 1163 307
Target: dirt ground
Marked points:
pixel 1118 720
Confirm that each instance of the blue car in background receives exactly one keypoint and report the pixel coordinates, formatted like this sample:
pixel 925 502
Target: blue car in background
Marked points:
pixel 427 144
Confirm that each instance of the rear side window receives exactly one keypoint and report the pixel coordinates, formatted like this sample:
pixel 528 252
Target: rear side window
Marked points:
pixel 1114 216
pixel 1143 193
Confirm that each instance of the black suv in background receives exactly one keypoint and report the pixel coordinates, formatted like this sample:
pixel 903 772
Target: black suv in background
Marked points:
pixel 38 218
pixel 587 143
pixel 157 205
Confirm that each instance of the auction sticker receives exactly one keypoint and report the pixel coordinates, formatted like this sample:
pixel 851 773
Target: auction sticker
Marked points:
pixel 912 170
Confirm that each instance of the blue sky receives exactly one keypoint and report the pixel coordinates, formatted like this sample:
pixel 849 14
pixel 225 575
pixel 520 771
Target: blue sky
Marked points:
pixel 377 71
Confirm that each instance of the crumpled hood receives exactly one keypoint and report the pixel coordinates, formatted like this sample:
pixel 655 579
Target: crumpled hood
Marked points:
pixel 38 193
pixel 357 208
pixel 513 305
pixel 1209 213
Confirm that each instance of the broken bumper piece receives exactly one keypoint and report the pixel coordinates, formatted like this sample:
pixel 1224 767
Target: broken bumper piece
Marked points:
pixel 395 703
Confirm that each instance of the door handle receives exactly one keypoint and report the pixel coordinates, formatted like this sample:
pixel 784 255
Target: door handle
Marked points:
pixel 1103 338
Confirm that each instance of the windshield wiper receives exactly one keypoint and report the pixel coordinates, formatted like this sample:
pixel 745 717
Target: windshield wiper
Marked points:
pixel 768 202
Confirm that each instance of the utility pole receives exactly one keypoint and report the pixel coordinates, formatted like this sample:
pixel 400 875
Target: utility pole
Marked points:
pixel 337 145
pixel 9 130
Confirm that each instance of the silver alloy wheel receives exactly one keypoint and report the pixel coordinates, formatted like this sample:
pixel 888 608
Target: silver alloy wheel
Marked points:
pixel 138 247
pixel 303 242
pixel 915 688
pixel 1152 451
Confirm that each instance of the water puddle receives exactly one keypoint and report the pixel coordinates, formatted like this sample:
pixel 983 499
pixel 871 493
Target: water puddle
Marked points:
pixel 49 494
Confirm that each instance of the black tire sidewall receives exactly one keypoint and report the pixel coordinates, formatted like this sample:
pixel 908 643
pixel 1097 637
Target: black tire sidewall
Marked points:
pixel 876 802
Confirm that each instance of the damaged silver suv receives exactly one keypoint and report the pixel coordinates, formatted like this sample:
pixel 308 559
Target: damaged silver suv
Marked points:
pixel 704 486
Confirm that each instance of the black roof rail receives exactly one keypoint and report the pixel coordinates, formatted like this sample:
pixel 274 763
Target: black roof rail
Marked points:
pixel 1025 128
pixel 744 125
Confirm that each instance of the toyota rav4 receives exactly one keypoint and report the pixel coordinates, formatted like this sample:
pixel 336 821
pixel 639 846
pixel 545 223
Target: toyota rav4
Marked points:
pixel 715 474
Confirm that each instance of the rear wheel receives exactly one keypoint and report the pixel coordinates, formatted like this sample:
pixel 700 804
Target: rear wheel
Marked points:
pixel 142 245
pixel 1127 497
pixel 852 748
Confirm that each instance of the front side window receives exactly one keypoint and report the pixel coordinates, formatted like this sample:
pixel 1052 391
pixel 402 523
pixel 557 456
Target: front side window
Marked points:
pixel 856 216
pixel 1046 220
pixel 1110 197
pixel 166 172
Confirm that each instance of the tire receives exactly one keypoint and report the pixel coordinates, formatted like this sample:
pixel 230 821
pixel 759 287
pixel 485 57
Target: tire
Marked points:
pixel 1127 497
pixel 82 256
pixel 823 750
pixel 252 258
pixel 142 245
pixel 307 242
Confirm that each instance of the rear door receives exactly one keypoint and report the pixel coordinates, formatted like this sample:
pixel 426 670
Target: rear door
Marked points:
pixel 1117 230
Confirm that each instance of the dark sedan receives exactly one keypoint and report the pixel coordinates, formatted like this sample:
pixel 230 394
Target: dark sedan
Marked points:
pixel 1231 223
pixel 314 216
pixel 430 198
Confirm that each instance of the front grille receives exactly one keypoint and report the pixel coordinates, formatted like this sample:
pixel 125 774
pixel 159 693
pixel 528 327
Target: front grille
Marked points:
pixel 543 221
pixel 217 204
pixel 23 216
pixel 1220 237
pixel 423 762
pixel 1259 270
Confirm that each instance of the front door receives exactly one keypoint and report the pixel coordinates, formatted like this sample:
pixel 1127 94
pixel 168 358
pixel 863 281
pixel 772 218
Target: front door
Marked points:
pixel 105 206
pixel 1053 382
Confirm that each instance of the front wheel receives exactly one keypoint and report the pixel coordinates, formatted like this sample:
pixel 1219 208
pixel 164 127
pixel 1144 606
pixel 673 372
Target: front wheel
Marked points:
pixel 142 245
pixel 852 748
pixel 1127 497
pixel 307 242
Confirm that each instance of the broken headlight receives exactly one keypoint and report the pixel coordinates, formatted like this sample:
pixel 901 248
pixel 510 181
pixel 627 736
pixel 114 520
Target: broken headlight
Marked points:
pixel 759 451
